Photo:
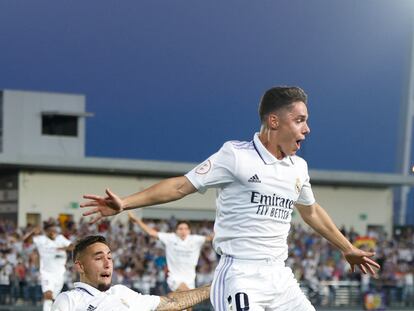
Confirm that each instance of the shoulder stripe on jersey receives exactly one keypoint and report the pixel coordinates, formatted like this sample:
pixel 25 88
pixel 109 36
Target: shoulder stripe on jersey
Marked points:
pixel 85 290
pixel 242 144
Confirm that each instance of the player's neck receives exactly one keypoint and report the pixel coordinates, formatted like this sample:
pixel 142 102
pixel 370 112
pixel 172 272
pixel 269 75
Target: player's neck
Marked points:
pixel 269 140
pixel 100 287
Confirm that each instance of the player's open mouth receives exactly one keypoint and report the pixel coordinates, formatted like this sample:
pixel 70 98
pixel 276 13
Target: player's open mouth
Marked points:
pixel 105 275
pixel 298 143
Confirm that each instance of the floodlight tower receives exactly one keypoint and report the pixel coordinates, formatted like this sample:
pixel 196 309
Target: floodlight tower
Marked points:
pixel 406 135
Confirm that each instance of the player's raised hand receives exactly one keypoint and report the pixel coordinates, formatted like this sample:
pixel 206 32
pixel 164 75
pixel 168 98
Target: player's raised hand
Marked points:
pixel 102 207
pixel 360 258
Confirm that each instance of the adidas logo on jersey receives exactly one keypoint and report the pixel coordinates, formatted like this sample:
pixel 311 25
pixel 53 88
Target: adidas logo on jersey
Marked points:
pixel 91 308
pixel 254 178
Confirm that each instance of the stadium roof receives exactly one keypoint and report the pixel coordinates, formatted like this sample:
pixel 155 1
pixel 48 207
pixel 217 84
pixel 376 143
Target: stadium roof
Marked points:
pixel 96 165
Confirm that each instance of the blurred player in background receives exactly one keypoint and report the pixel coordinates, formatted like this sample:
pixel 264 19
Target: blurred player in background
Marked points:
pixel 93 262
pixel 52 248
pixel 259 184
pixel 182 250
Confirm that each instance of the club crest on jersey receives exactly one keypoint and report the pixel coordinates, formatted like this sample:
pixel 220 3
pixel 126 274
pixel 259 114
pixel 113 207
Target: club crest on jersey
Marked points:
pixel 204 168
pixel 298 186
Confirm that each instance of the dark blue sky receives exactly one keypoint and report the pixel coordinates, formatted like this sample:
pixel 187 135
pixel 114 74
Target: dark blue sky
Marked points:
pixel 174 79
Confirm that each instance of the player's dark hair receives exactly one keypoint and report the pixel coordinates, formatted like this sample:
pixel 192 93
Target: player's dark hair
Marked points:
pixel 182 222
pixel 48 224
pixel 83 244
pixel 280 97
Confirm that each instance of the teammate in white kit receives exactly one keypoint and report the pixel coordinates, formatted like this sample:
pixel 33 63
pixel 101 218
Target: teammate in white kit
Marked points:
pixel 93 262
pixel 259 184
pixel 182 250
pixel 52 249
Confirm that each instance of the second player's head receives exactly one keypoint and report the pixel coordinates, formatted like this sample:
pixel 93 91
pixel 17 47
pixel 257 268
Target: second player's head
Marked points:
pixel 93 261
pixel 50 230
pixel 182 229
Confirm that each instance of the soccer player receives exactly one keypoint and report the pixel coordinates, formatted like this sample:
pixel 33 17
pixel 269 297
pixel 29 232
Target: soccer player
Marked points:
pixel 93 262
pixel 182 250
pixel 52 248
pixel 259 184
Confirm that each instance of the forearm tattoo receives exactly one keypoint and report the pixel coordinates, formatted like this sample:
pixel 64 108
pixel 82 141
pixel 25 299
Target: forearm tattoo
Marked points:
pixel 182 300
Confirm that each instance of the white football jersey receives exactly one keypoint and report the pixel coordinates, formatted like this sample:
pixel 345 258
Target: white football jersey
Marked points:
pixel 118 298
pixel 182 255
pixel 52 257
pixel 255 199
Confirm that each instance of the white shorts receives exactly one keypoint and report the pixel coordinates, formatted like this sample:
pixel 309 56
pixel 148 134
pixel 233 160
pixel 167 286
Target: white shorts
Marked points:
pixel 174 282
pixel 256 285
pixel 51 282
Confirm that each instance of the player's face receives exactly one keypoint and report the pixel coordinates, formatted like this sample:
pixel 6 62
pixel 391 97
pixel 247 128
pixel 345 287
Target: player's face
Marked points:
pixel 182 231
pixel 293 128
pixel 51 232
pixel 95 266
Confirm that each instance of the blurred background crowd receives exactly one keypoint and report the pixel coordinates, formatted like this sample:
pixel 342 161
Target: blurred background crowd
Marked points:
pixel 140 263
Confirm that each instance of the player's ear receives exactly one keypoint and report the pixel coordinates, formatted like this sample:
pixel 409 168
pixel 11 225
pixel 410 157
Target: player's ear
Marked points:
pixel 273 121
pixel 78 266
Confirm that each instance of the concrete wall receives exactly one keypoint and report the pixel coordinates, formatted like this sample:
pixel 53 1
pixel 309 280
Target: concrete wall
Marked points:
pixel 356 207
pixel 51 194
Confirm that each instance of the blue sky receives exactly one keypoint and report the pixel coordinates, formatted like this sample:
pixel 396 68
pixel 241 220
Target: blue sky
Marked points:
pixel 172 80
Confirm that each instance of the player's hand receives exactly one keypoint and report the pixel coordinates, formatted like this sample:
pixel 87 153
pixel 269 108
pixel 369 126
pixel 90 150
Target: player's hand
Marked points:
pixel 37 230
pixel 102 207
pixel 360 258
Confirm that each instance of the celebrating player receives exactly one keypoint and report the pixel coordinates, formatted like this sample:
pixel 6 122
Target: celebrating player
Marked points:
pixel 259 184
pixel 182 251
pixel 93 262
pixel 52 249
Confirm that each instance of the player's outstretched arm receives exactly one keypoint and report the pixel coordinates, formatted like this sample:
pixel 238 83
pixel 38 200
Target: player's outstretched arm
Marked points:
pixel 316 217
pixel 35 231
pixel 175 301
pixel 147 229
pixel 167 190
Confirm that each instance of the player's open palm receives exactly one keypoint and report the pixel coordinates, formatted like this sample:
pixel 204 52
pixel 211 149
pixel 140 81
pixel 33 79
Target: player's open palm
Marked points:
pixel 102 207
pixel 360 258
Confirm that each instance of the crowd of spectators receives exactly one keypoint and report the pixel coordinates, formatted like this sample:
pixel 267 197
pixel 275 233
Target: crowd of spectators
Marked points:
pixel 314 262
pixel 139 260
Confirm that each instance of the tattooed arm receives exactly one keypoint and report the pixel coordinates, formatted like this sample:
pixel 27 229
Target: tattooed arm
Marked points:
pixel 182 300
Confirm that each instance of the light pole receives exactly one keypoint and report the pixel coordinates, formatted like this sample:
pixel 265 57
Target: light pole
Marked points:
pixel 406 131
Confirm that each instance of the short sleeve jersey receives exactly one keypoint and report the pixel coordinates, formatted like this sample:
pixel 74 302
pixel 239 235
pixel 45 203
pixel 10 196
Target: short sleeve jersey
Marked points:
pixel 118 298
pixel 52 257
pixel 255 199
pixel 182 255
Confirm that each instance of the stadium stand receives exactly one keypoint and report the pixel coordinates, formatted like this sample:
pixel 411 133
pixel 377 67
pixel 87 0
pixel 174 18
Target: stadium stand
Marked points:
pixel 325 276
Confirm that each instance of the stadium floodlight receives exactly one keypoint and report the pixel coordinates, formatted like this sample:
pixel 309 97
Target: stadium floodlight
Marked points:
pixel 404 156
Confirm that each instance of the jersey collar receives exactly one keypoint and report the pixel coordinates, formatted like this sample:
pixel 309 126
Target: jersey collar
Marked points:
pixel 88 289
pixel 266 156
